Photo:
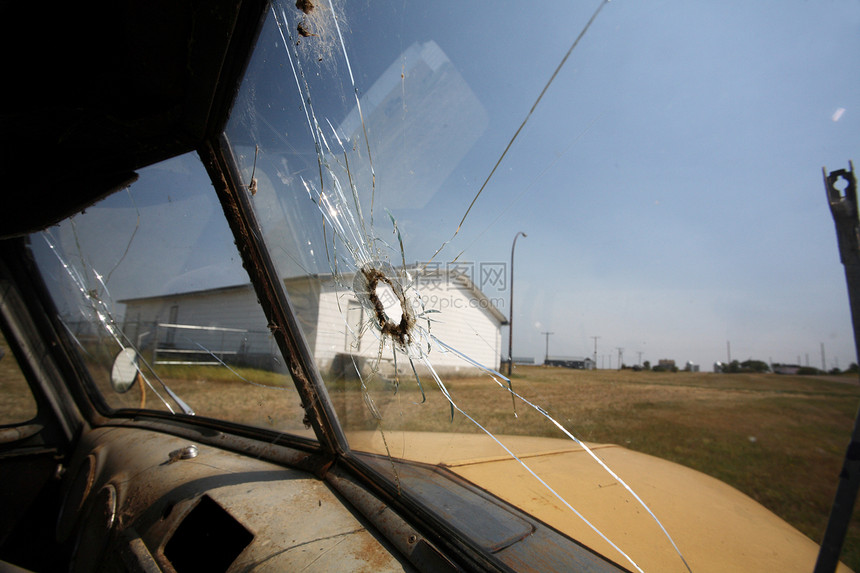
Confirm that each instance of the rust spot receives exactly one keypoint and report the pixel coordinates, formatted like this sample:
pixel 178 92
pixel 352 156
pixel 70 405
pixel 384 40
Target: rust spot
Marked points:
pixel 372 553
pixel 304 32
pixel 305 6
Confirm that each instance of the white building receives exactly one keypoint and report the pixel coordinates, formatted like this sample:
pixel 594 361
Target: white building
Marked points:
pixel 227 324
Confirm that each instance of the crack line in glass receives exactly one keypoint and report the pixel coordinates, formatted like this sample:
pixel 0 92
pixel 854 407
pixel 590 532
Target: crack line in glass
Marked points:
pixel 409 334
pixel 101 308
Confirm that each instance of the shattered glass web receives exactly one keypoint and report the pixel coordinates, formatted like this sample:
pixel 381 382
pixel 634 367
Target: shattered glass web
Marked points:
pixel 84 269
pixel 337 195
pixel 97 304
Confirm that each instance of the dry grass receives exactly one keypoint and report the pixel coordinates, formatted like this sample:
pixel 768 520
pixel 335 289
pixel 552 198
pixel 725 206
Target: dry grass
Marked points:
pixel 779 439
pixel 16 402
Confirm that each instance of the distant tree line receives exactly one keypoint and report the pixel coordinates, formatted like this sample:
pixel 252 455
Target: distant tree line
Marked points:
pixel 811 370
pixel 663 366
pixel 735 367
pixel 747 366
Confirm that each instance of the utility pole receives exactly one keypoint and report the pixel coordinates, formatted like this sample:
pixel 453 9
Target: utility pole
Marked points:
pixel 620 357
pixel 547 345
pixel 595 350
pixel 640 357
pixel 729 352
pixel 823 362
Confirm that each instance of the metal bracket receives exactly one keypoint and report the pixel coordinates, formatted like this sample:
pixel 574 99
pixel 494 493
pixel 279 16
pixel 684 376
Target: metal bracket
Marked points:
pixel 843 207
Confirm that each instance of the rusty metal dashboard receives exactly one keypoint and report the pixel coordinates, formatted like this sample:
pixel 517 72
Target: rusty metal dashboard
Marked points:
pixel 146 501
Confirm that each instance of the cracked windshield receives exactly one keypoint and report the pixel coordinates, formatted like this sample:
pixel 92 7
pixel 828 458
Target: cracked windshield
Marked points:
pixel 150 287
pixel 572 227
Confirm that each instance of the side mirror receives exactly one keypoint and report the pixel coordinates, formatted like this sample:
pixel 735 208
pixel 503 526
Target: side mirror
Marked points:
pixel 124 372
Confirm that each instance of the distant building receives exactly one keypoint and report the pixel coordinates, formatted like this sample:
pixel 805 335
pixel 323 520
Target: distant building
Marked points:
pixel 524 360
pixel 691 367
pixel 576 363
pixel 786 368
pixel 665 365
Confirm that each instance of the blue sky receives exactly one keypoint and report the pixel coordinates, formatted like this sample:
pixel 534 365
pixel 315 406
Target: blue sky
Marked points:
pixel 669 181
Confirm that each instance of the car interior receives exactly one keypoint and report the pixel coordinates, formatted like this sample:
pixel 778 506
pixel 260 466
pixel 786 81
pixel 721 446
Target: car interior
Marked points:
pixel 101 91
pixel 107 466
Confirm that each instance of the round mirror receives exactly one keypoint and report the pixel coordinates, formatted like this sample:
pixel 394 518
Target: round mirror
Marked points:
pixel 124 371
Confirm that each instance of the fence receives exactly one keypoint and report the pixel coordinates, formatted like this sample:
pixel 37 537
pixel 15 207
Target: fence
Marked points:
pixel 177 344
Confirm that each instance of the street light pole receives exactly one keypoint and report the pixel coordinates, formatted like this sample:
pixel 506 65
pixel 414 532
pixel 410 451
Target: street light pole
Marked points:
pixel 511 319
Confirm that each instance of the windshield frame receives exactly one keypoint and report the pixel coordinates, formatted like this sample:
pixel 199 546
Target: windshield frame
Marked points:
pixel 319 412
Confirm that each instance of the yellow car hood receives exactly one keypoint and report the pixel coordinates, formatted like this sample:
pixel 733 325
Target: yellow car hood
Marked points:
pixel 716 527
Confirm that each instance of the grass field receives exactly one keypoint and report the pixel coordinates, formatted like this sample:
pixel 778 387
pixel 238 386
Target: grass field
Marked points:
pixel 779 439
